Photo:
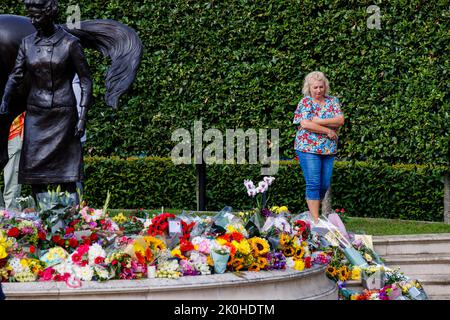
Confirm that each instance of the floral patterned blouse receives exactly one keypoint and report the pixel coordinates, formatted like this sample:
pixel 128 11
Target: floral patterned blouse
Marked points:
pixel 311 142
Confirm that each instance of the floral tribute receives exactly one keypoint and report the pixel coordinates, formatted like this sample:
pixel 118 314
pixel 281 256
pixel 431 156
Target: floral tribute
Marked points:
pixel 58 241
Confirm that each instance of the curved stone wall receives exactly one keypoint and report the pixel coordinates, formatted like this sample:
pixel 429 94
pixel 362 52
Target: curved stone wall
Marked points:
pixel 264 285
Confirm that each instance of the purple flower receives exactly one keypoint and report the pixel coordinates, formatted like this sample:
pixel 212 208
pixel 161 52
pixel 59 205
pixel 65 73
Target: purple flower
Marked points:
pixel 266 213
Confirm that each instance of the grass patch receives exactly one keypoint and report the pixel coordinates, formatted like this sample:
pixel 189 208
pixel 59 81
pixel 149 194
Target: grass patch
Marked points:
pixel 382 227
pixel 370 226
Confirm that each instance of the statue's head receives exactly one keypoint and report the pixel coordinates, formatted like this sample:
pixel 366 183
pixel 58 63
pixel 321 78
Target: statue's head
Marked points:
pixel 42 12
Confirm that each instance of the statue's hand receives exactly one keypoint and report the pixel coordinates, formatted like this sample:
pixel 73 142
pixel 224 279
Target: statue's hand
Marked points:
pixel 81 127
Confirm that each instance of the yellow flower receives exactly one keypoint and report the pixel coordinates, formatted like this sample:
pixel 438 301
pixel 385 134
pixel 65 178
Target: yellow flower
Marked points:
pixel 24 262
pixel 231 229
pixel 176 252
pixel 259 246
pixel 155 243
pixel 221 241
pixel 356 273
pixel 120 218
pixel 243 246
pixel 285 239
pixel 331 271
pixel 237 263
pixel 282 209
pixel 299 265
pixel 288 251
pixel 210 261
pixel 299 253
pixel 274 209
pixel 3 253
pixel 262 262
pixel 368 257
pixel 343 273
pixel 254 267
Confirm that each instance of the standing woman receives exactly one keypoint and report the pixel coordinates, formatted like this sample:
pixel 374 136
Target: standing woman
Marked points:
pixel 320 117
pixel 51 152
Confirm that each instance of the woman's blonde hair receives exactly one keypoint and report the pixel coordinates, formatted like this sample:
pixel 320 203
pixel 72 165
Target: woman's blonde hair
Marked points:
pixel 318 76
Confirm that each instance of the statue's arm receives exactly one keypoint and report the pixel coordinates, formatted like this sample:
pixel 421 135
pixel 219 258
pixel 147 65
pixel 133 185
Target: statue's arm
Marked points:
pixel 82 69
pixel 15 79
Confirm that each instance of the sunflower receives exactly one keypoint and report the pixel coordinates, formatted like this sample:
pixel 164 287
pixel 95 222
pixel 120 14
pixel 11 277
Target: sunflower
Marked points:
pixel 155 243
pixel 259 246
pixel 249 260
pixel 284 239
pixel 299 252
pixel 262 262
pixel 331 271
pixel 237 263
pixel 343 273
pixel 288 252
pixel 254 267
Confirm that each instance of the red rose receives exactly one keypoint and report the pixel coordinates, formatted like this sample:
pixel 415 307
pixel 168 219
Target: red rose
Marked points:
pixel 76 257
pixel 87 241
pixel 114 262
pixel 61 243
pixel 99 260
pixel 42 236
pixel 308 262
pixel 70 230
pixel 32 249
pixel 56 238
pixel 73 242
pixel 93 237
pixel 13 232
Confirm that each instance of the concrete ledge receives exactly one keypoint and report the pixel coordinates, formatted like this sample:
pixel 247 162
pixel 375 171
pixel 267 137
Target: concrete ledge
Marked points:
pixel 263 285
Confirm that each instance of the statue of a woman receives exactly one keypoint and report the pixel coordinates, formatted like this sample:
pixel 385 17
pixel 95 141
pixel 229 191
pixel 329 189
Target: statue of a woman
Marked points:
pixel 51 153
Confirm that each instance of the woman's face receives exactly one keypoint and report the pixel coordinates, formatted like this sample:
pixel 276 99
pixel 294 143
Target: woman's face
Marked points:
pixel 40 18
pixel 317 89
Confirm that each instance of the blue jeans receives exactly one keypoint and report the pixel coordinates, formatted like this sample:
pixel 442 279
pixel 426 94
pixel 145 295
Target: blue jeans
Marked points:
pixel 317 170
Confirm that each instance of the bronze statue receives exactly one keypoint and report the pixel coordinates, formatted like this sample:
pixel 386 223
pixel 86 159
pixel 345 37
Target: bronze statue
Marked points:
pixel 46 63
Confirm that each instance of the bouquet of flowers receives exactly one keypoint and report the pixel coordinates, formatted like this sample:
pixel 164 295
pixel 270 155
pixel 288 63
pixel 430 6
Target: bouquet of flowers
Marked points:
pixel 373 277
pixel 145 249
pixel 168 267
pixel 25 269
pixel 56 208
pixel 336 238
pixel 220 255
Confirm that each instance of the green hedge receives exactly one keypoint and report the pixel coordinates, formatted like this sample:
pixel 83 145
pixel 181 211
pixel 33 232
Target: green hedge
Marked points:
pixel 365 190
pixel 241 63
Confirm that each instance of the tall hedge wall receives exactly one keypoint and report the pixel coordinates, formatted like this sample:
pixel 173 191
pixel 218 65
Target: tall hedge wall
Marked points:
pixel 241 63
pixel 372 190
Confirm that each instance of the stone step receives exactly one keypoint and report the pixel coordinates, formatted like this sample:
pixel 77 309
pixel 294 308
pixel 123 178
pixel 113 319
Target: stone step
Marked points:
pixel 415 265
pixel 446 297
pixel 436 286
pixel 412 244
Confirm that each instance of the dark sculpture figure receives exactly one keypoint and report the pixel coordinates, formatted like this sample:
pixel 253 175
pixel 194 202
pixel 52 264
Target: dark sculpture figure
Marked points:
pixel 41 84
